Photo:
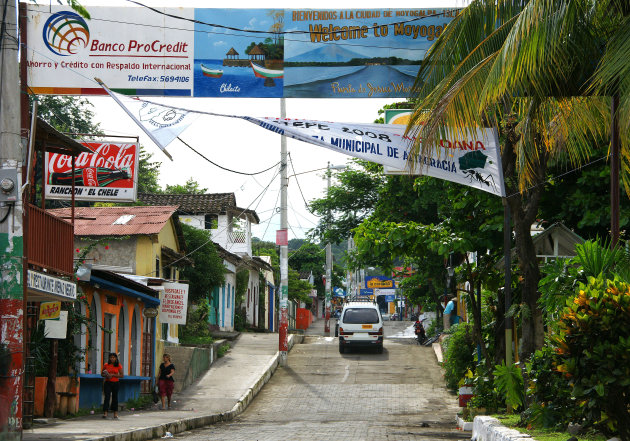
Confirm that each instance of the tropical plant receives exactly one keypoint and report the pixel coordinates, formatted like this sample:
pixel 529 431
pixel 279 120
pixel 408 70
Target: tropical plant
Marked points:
pixel 550 404
pixel 491 68
pixel 593 347
pixel 459 357
pixel 509 382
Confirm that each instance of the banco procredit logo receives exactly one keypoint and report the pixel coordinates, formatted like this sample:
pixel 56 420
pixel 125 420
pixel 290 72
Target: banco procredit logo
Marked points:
pixel 65 33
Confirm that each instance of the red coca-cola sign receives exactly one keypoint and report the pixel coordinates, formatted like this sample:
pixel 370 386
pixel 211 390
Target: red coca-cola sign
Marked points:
pixel 109 173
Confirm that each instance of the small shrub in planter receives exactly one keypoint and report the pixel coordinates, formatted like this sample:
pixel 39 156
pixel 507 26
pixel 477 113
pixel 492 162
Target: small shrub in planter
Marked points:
pixel 459 357
pixel 593 347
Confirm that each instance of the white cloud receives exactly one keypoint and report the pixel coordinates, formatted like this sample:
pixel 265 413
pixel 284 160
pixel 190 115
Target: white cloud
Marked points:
pixel 219 43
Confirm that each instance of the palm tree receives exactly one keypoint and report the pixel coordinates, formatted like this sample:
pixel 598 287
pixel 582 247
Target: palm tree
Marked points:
pixel 526 68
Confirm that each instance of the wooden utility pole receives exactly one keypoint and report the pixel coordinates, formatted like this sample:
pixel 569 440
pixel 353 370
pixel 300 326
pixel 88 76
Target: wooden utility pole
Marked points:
pixel 11 235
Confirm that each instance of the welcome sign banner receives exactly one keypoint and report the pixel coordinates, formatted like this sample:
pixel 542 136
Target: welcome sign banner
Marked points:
pixel 201 52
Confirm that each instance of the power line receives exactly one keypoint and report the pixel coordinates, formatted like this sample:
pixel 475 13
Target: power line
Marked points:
pixel 224 168
pixel 299 187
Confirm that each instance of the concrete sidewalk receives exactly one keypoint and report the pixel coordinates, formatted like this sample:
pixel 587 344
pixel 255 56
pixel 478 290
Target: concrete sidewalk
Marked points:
pixel 223 392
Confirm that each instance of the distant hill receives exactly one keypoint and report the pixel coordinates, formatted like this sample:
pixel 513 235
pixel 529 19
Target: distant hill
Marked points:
pixel 330 52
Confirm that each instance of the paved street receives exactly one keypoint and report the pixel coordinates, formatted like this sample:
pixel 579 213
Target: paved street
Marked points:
pixel 361 395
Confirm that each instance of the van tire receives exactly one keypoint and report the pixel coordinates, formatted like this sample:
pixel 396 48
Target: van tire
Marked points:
pixel 379 349
pixel 342 349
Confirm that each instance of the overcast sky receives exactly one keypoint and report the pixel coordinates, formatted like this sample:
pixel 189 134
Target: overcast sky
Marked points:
pixel 241 146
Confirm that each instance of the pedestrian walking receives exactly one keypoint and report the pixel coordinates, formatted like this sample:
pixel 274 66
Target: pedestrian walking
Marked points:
pixel 166 380
pixel 450 312
pixel 112 372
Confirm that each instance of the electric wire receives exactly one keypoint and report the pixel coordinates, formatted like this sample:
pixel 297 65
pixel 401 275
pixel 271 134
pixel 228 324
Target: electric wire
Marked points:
pixel 299 187
pixel 210 240
pixel 518 193
pixel 224 168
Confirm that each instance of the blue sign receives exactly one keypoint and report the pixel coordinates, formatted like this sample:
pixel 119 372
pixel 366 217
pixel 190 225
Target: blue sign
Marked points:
pixel 366 292
pixel 390 298
pixel 339 292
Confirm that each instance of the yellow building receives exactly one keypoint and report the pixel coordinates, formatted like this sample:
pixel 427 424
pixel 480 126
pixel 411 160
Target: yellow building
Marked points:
pixel 144 244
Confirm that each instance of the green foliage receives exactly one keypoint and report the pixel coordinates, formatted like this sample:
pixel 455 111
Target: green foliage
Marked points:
pixel 593 346
pixel 459 357
pixel 68 114
pixel 196 328
pixel 242 280
pixel 148 173
pixel 485 395
pixel 223 349
pixel 597 258
pixel 299 290
pixel 509 383
pixel 208 270
pixel 190 187
pixel 550 401
pixel 139 402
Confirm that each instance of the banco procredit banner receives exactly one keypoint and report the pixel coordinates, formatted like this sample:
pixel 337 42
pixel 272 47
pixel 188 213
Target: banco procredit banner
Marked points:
pixel 343 53
pixel 110 173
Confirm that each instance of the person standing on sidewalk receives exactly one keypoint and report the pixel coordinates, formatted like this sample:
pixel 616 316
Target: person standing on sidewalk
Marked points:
pixel 166 380
pixel 112 372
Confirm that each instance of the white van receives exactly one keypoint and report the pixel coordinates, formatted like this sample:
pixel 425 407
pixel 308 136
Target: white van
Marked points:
pixel 360 324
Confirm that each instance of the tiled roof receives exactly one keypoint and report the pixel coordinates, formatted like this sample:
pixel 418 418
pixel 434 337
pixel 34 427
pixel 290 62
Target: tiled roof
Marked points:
pixel 102 221
pixel 211 203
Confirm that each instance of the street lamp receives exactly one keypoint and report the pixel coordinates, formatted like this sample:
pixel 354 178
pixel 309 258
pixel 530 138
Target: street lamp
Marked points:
pixel 329 262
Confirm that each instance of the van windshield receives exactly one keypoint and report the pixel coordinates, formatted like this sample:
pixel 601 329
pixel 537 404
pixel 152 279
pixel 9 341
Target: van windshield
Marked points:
pixel 360 315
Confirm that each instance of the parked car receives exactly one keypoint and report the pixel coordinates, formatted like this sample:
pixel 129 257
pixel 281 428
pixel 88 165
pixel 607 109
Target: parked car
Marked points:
pixel 361 324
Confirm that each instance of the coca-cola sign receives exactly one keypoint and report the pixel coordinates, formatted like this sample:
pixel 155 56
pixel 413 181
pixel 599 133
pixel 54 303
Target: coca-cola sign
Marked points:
pixel 109 173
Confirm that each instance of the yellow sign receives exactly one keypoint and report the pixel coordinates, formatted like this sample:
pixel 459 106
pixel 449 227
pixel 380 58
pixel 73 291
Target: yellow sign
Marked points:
pixel 49 310
pixel 377 283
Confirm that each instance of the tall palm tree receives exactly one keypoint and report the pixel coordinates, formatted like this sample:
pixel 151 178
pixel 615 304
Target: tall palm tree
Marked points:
pixel 526 68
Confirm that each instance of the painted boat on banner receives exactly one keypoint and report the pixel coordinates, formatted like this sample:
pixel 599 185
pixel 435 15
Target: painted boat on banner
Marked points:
pixel 262 72
pixel 212 73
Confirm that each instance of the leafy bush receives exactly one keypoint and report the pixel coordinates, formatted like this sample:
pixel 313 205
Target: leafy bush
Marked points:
pixel 223 350
pixel 459 356
pixel 509 383
pixel 593 347
pixel 551 404
pixel 484 393
pixel 197 323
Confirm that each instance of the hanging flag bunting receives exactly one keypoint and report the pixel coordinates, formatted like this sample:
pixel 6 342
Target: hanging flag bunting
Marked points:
pixel 473 159
pixel 161 123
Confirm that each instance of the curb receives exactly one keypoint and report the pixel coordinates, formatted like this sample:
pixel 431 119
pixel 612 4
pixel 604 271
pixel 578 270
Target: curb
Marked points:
pixel 486 428
pixel 148 433
pixel 466 426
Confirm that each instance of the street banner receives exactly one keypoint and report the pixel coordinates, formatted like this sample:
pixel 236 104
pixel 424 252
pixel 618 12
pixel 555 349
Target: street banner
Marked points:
pixel 110 173
pixel 214 52
pixel 472 159
pixel 174 303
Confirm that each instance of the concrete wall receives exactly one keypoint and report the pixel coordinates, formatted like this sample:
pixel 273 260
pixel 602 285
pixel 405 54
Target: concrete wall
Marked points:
pixel 192 362
pixel 120 255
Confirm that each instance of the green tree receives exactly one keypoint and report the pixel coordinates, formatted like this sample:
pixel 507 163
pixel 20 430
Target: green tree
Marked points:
pixel 190 187
pixel 299 290
pixel 148 173
pixel 487 69
pixel 207 270
pixel 310 258
pixel 68 114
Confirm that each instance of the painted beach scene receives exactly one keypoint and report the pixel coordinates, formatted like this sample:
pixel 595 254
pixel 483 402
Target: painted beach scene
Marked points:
pixel 244 60
pixel 358 53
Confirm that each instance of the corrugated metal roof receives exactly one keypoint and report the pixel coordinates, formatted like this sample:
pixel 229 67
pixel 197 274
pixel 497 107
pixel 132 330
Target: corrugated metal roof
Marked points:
pixel 99 221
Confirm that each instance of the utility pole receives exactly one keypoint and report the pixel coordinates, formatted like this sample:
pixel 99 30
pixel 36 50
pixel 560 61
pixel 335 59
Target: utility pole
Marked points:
pixel 11 235
pixel 284 247
pixel 329 259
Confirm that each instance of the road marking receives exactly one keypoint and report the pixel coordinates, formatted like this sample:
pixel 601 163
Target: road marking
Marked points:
pixel 345 377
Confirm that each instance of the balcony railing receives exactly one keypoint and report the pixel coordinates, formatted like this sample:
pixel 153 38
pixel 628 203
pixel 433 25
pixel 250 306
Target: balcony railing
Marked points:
pixel 237 237
pixel 49 241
